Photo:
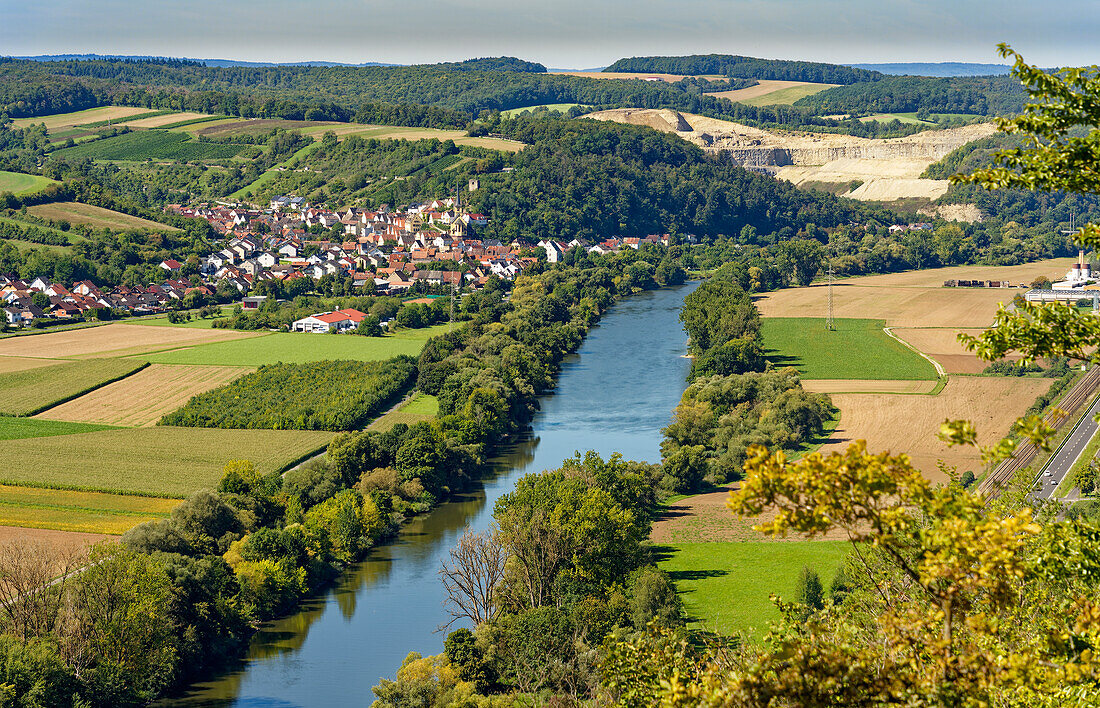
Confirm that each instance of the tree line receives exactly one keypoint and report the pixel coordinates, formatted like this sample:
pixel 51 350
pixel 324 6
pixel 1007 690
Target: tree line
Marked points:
pixel 746 67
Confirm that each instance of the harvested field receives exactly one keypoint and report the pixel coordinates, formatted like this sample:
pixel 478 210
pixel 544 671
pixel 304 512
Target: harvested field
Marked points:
pixel 9 364
pixel 113 340
pixel 96 217
pixel 943 346
pixel 770 92
pixel 909 423
pixel 167 119
pixel 935 277
pixel 28 392
pixel 91 115
pixel 867 386
pixel 145 397
pixel 160 461
pixel 65 541
pixel 900 306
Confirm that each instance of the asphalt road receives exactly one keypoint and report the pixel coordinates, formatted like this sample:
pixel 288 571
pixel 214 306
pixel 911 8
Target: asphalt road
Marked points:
pixel 1066 456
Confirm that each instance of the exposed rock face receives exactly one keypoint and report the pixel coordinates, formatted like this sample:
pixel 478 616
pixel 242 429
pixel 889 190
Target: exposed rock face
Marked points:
pixel 887 169
pixel 754 147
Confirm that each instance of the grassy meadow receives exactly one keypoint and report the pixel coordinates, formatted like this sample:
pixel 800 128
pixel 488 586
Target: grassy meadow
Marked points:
pixel 12 428
pixel 726 586
pixel 299 348
pixel 856 349
pixel 20 184
pixel 28 392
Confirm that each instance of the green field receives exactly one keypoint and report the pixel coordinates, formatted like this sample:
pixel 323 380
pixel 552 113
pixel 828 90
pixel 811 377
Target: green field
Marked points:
pixel 12 428
pixel 30 391
pixel 297 348
pixel 150 144
pixel 159 461
pixel 423 404
pixel 908 118
pixel 552 107
pixel 89 512
pixel 857 349
pixel 726 586
pixel 271 174
pixel 71 235
pixel 20 184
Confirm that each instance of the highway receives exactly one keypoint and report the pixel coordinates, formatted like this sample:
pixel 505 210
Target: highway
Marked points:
pixel 1066 456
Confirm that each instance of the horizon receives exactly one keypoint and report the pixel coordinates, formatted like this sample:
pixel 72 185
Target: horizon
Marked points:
pixel 566 35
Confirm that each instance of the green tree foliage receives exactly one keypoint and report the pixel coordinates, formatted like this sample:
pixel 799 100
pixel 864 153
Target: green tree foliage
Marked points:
pixel 978 95
pixel 746 67
pixel 327 395
pixel 724 415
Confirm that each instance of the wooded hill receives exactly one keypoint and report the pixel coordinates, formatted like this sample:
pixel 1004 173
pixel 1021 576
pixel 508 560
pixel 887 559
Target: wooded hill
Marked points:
pixel 746 67
pixel 981 95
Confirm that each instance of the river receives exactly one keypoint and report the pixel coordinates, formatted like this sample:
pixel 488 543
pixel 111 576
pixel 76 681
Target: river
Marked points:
pixel 614 395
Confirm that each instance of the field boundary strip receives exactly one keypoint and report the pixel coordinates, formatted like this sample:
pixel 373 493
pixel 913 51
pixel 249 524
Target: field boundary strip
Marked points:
pixel 939 369
pixel 84 392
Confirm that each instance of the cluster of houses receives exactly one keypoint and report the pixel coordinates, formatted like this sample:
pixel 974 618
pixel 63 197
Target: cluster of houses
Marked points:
pixel 381 251
pixel 389 250
pixel 57 301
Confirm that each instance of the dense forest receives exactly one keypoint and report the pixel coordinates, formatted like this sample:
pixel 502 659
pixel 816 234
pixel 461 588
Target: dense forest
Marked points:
pixel 979 95
pixel 370 94
pixel 746 67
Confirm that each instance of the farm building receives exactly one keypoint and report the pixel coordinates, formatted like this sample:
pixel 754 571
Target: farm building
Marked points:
pixel 324 322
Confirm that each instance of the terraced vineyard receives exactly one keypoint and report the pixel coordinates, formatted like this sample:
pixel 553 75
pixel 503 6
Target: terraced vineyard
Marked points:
pixel 150 145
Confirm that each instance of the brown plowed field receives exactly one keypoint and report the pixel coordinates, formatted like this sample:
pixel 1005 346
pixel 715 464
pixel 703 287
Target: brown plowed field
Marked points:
pixel 1053 268
pixel 71 541
pixel 111 340
pixel 909 423
pixel 867 386
pixel 9 364
pixel 145 397
pixel 764 87
pixel 943 346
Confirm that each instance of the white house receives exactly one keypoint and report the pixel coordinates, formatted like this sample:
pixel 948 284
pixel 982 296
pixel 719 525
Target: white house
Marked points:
pixel 323 322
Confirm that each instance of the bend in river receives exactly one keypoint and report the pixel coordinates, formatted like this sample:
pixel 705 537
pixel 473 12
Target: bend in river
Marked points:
pixel 614 395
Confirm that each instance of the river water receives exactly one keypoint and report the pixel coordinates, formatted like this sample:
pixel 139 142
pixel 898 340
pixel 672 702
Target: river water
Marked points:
pixel 614 395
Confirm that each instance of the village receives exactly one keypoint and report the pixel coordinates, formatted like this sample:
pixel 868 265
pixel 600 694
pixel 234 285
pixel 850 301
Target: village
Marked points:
pixel 416 248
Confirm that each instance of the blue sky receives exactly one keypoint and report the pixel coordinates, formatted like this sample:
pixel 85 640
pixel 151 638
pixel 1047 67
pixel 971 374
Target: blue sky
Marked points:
pixel 559 33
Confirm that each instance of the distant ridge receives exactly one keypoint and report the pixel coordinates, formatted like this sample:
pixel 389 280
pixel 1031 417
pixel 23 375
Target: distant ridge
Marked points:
pixel 208 62
pixel 939 69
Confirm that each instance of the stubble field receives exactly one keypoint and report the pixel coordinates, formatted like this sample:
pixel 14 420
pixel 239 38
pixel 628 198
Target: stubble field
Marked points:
pixel 112 340
pixel 28 392
pixel 909 423
pixel 145 397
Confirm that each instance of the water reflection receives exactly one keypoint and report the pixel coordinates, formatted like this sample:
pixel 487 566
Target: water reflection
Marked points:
pixel 613 396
